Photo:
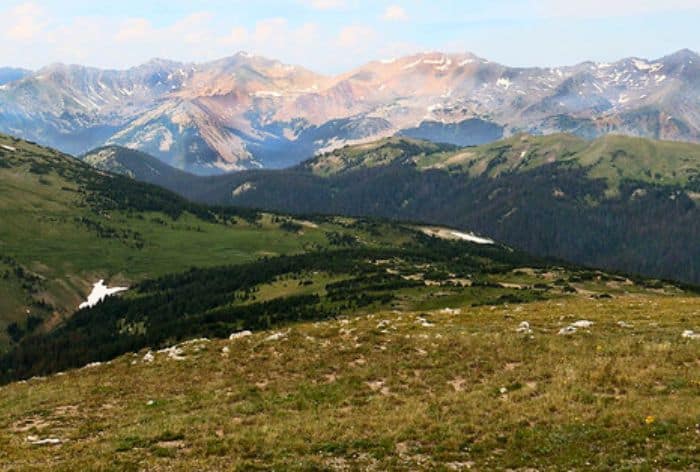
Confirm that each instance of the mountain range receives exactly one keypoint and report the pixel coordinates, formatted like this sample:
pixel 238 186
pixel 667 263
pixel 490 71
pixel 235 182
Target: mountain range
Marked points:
pixel 246 111
pixel 236 338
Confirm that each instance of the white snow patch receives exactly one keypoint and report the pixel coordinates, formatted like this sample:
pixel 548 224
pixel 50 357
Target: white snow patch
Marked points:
pixel 582 324
pixel 149 357
pixel 624 324
pixel 8 148
pixel 471 237
pixel 413 64
pixel 267 94
pixel 445 233
pixel 99 292
pixel 504 82
pixel 445 66
pixel 442 60
pixel 641 65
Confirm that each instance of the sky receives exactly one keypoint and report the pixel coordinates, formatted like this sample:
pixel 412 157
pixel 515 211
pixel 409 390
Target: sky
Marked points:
pixel 331 36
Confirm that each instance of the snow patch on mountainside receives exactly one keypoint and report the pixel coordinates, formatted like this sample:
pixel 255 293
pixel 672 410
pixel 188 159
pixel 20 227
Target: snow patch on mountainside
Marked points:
pixel 445 233
pixel 99 292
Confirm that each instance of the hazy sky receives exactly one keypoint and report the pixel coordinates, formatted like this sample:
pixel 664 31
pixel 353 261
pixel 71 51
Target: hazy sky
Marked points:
pixel 333 35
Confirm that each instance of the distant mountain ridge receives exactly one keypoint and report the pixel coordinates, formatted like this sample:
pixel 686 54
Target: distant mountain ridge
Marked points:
pixel 246 111
pixel 11 74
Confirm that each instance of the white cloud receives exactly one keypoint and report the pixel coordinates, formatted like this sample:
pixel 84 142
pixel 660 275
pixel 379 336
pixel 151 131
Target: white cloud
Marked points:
pixel 325 4
pixel 607 8
pixel 355 37
pixel 276 37
pixel 237 36
pixel 133 29
pixel 25 22
pixel 395 13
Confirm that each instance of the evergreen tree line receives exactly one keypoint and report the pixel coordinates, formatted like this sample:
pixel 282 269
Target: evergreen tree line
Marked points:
pixel 202 302
pixel 553 210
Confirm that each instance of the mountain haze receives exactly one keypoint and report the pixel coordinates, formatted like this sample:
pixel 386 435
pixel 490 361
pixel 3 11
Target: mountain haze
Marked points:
pixel 246 111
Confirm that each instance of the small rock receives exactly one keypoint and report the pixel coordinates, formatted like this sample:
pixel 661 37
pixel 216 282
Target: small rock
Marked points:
pixel 276 336
pixel 174 353
pixel 524 328
pixel 239 335
pixel 690 334
pixel 567 330
pixel 451 311
pixel 41 442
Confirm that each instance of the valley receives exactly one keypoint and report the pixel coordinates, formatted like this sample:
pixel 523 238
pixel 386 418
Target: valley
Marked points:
pixel 619 203
pixel 66 226
pixel 293 339
pixel 352 245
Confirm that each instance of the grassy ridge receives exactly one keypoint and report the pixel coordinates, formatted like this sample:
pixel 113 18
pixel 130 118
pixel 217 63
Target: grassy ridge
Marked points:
pixel 617 202
pixel 65 226
pixel 424 273
pixel 612 158
pixel 424 390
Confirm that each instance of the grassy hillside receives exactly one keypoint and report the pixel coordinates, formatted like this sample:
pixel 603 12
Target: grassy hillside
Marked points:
pixel 619 203
pixel 385 152
pixel 358 344
pixel 265 293
pixel 612 158
pixel 431 389
pixel 65 226
pixel 137 165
